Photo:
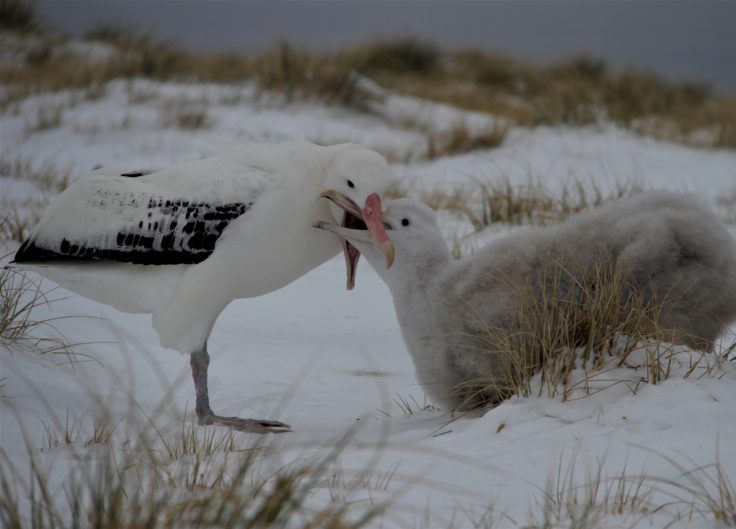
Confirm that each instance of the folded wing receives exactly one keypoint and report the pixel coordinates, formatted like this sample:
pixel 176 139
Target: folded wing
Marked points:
pixel 170 216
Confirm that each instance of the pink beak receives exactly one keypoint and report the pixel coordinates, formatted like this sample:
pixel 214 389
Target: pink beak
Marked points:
pixel 374 223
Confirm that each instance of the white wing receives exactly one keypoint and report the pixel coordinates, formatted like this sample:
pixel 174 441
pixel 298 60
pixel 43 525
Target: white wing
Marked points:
pixel 174 215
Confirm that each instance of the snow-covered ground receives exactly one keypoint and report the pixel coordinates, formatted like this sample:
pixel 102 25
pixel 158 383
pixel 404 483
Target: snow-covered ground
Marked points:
pixel 327 361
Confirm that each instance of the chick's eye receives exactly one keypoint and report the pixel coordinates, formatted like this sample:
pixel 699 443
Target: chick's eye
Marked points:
pixel 351 185
pixel 405 222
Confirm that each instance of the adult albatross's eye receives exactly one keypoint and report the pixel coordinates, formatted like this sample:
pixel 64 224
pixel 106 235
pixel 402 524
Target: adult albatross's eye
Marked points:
pixel 351 185
pixel 405 222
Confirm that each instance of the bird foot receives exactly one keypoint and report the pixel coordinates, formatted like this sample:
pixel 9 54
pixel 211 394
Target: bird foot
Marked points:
pixel 244 425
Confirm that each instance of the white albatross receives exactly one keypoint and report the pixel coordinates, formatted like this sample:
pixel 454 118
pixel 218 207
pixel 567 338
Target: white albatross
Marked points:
pixel 182 242
pixel 669 247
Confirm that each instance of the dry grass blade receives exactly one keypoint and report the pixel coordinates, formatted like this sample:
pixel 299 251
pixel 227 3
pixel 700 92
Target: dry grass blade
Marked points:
pixel 706 489
pixel 19 297
pixel 17 226
pixel 568 501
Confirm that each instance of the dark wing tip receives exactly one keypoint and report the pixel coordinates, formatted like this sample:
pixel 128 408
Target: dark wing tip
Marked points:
pixel 137 173
pixel 28 252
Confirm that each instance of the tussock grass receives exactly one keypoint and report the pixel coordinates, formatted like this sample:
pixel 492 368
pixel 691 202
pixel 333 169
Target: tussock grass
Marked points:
pixel 16 224
pixel 196 441
pixel 298 76
pixel 47 117
pixel 462 139
pixel 185 115
pixel 713 491
pixel 569 503
pixel 47 176
pixel 18 217
pixel 497 200
pixel 137 485
pixel 19 296
pixel 75 432
pixel 19 330
pixel 703 493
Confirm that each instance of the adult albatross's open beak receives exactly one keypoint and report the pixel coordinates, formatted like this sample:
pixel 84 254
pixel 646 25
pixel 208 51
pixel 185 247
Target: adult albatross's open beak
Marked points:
pixel 357 219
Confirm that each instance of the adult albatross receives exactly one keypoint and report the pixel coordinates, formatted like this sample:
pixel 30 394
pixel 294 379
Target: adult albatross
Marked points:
pixel 183 241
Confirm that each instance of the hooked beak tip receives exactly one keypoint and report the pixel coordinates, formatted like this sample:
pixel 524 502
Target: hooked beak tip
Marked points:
pixel 388 251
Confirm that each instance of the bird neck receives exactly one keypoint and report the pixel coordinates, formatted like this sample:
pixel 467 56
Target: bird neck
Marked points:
pixel 422 274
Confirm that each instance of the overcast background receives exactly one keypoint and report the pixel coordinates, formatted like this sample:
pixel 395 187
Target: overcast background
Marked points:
pixel 693 40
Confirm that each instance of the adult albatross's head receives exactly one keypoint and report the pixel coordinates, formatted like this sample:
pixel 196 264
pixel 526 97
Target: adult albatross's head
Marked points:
pixel 355 179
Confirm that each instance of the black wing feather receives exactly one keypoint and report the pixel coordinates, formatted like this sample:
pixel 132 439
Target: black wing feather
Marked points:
pixel 174 232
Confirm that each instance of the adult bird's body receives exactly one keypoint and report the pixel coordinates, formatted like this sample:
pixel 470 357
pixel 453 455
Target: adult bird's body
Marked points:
pixel 182 242
pixel 669 251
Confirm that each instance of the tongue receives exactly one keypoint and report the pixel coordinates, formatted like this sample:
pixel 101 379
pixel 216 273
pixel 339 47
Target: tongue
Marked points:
pixel 374 223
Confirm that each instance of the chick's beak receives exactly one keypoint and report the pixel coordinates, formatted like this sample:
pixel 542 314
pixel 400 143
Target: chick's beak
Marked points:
pixel 374 222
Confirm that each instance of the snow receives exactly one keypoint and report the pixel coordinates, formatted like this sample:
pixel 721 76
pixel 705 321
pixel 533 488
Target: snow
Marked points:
pixel 606 156
pixel 325 360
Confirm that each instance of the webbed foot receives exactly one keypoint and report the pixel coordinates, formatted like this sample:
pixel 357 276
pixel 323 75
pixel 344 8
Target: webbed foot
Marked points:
pixel 244 425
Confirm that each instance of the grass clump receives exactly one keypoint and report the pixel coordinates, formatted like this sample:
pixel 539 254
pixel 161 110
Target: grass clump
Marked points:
pixel 17 218
pixel 714 492
pixel 47 118
pixel 299 76
pixel 46 176
pixel 699 492
pixel 185 115
pixel 486 202
pixel 462 139
pixel 570 502
pixel 73 432
pixel 137 486
pixel 19 297
pixel 16 224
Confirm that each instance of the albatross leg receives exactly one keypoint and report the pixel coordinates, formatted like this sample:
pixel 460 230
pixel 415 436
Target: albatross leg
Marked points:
pixel 199 361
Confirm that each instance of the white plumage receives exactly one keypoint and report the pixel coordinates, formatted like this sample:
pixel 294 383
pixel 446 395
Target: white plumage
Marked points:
pixel 181 242
pixel 673 251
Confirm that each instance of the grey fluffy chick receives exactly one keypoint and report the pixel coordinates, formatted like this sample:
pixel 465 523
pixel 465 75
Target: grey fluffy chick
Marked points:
pixel 670 249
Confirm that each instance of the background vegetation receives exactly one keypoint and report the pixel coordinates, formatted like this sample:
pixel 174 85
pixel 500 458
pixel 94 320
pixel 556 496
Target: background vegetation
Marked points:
pixel 578 91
